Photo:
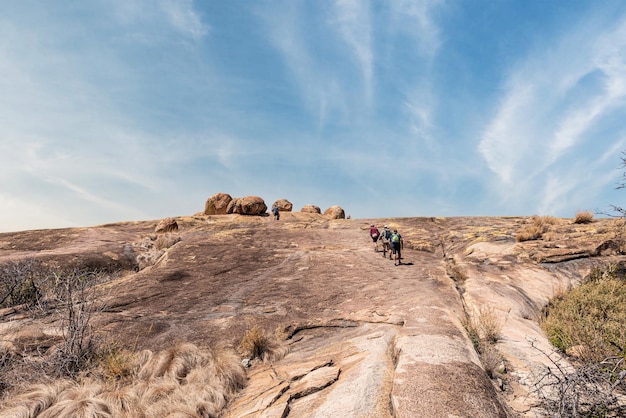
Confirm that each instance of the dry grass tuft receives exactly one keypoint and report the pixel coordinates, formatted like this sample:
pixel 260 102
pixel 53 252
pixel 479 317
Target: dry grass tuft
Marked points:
pixel 116 363
pixel 257 344
pixel 183 381
pixel 80 408
pixel 585 217
pixel 534 230
pixel 484 330
pixel 484 327
pixel 456 274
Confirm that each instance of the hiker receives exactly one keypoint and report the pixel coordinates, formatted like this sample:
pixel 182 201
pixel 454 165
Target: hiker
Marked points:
pixel 276 213
pixel 374 233
pixel 385 238
pixel 396 247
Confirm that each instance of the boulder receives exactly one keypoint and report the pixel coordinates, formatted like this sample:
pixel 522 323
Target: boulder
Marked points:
pixel 335 212
pixel 249 205
pixel 311 209
pixel 217 204
pixel 234 206
pixel 283 205
pixel 166 225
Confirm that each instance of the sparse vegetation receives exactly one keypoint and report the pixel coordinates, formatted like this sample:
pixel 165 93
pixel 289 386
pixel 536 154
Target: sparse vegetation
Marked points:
pixel 588 390
pixel 183 381
pixel 589 324
pixel 75 302
pixel 455 273
pixel 256 344
pixel 534 230
pixel 115 362
pixel 22 283
pixel 584 217
pixel 69 299
pixel 484 330
pixel 592 316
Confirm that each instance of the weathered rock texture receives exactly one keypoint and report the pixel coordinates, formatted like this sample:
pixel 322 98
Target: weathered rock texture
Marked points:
pixel 365 338
pixel 335 212
pixel 167 225
pixel 283 205
pixel 249 205
pixel 311 209
pixel 217 204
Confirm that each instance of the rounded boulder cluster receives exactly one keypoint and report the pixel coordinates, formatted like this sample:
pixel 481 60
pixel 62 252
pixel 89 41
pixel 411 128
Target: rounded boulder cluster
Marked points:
pixel 224 204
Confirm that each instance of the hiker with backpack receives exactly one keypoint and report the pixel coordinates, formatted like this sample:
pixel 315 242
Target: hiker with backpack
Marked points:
pixel 396 247
pixel 276 212
pixel 385 238
pixel 375 234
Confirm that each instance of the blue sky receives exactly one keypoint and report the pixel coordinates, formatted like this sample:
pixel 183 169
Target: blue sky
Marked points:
pixel 120 110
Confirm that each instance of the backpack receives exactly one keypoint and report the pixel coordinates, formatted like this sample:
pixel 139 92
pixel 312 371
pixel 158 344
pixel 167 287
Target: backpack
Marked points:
pixel 395 238
pixel 387 233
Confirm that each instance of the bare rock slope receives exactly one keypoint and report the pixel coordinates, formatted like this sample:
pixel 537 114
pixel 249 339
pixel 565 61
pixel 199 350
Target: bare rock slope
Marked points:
pixel 363 338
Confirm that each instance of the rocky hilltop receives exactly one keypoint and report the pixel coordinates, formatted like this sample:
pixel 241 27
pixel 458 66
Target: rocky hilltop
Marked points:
pixel 352 335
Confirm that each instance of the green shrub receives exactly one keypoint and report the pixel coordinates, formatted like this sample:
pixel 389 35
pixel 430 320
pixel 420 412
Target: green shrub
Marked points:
pixel 592 315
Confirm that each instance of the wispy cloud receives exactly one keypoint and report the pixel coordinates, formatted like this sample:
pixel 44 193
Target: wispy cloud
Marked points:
pixel 417 19
pixel 318 75
pixel 552 102
pixel 149 18
pixel 352 18
pixel 183 17
pixel 414 21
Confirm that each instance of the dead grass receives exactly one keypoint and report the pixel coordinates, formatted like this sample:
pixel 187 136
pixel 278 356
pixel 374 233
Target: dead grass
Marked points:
pixel 583 217
pixel 484 330
pixel 183 381
pixel 535 229
pixel 257 344
pixel 116 363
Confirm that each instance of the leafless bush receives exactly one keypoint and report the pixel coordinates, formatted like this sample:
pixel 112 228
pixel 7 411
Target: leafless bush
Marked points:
pixel 75 300
pixel 22 283
pixel 591 390
pixel 7 360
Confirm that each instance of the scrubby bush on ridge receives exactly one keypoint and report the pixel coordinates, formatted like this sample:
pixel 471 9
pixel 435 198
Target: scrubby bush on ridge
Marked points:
pixel 592 315
pixel 589 324
pixel 535 229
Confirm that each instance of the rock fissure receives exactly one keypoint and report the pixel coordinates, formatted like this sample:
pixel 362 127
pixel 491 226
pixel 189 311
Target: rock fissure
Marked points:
pixel 336 323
